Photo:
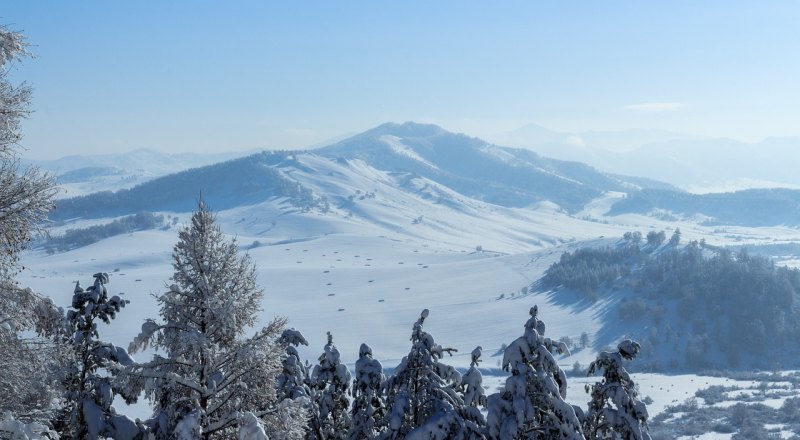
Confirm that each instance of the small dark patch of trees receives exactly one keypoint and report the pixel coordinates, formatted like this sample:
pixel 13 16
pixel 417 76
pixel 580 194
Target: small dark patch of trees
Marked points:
pixel 79 237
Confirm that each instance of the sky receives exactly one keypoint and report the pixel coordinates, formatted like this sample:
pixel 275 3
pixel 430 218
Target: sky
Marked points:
pixel 209 76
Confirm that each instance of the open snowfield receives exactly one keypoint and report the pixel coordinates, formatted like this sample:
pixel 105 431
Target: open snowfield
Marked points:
pixel 367 283
pixel 362 289
pixel 389 247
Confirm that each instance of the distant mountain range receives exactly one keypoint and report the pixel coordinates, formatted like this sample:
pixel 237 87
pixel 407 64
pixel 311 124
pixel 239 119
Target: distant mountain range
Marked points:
pixel 143 160
pixel 691 162
pixel 753 207
pixel 79 175
pixel 470 166
pixel 411 153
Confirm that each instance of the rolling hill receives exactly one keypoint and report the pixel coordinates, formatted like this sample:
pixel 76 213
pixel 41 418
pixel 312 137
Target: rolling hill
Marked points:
pixel 514 178
pixel 356 238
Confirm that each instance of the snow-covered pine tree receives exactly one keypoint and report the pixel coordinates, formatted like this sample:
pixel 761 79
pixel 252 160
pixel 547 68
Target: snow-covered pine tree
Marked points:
pixel 293 390
pixel 472 388
pixel 531 405
pixel 210 375
pixel 330 380
pixel 422 397
pixel 88 379
pixel 615 410
pixel 292 382
pixel 368 407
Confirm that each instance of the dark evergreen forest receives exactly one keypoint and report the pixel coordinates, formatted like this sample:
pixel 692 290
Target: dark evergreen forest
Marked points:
pixel 694 305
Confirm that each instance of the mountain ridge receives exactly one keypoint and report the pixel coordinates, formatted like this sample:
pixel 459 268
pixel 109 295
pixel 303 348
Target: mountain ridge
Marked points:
pixel 469 166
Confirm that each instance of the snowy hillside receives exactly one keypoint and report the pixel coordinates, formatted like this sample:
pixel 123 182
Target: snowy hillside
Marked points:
pixel 358 240
pixel 366 281
pixel 475 168
pixel 232 183
pixel 387 245
pixel 442 167
pixel 354 227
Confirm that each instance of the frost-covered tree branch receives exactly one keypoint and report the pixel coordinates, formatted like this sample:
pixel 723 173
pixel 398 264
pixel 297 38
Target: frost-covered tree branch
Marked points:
pixel 26 196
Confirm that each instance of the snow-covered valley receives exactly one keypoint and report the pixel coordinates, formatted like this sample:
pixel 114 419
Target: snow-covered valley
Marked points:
pixel 376 247
pixel 370 287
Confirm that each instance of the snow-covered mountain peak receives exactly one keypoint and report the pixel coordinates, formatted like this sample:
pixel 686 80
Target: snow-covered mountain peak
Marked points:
pixel 407 129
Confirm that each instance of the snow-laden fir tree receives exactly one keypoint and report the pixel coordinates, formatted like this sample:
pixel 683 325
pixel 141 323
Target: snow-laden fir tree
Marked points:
pixel 422 397
pixel 292 382
pixel 472 389
pixel 211 375
pixel 615 410
pixel 531 405
pixel 293 390
pixel 368 408
pixel 88 378
pixel 329 418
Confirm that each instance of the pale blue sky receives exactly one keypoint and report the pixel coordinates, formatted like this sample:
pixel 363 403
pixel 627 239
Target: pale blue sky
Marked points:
pixel 228 76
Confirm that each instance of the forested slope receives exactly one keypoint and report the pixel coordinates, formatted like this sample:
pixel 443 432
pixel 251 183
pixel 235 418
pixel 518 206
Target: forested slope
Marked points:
pixel 694 306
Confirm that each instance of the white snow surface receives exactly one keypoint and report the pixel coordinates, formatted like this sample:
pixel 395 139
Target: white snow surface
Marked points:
pixel 365 269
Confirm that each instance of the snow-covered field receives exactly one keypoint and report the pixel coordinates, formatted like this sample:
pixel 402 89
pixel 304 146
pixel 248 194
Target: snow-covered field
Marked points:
pixel 362 289
pixel 367 287
pixel 365 270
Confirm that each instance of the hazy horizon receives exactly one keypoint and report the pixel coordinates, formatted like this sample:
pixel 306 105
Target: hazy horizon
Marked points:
pixel 564 138
pixel 205 77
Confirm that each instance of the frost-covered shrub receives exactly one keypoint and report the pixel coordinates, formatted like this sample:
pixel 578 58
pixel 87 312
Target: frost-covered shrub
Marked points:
pixel 715 393
pixel 30 327
pixel 26 196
